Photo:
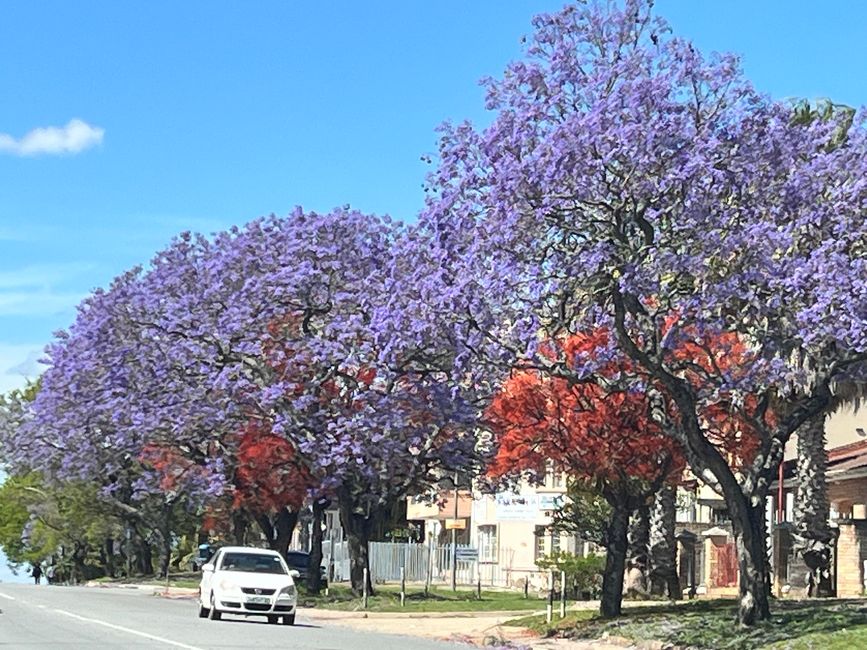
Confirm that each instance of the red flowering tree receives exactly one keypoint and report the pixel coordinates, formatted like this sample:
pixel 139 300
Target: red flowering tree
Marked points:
pixel 602 435
pixel 271 482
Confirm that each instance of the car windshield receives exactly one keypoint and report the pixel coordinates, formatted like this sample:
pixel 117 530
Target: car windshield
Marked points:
pixel 252 563
pixel 298 559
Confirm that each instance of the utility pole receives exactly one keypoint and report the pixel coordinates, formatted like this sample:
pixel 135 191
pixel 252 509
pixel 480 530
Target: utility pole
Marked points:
pixel 455 540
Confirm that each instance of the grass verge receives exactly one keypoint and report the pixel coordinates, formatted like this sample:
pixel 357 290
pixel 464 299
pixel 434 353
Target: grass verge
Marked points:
pixel 710 624
pixel 387 599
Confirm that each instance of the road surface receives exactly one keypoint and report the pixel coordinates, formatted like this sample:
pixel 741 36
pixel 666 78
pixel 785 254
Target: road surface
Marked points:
pixel 79 617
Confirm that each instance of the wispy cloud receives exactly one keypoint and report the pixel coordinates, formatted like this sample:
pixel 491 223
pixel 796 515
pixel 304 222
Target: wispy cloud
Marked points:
pixel 41 289
pixel 42 275
pixel 18 363
pixel 73 138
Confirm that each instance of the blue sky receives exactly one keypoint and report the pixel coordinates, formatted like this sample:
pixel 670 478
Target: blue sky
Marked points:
pixel 198 115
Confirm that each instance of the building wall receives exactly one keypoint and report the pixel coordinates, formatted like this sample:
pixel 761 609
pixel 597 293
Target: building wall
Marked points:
pixel 851 554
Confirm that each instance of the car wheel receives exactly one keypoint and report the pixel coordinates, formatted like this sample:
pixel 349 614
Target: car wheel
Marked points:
pixel 203 611
pixel 289 620
pixel 213 614
pixel 273 620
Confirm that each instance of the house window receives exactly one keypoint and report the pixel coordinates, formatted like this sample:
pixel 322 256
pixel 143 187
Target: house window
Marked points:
pixel 539 548
pixel 488 543
pixel 555 543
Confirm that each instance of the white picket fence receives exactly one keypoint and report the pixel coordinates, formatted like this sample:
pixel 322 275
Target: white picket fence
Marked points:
pixel 421 560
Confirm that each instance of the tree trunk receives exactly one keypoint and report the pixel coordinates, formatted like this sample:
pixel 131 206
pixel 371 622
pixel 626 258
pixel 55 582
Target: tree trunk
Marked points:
pixel 813 535
pixel 754 585
pixel 166 534
pixel 637 562
pixel 278 531
pixel 615 559
pixel 314 575
pixel 144 556
pixel 357 527
pixel 108 553
pixel 240 523
pixel 663 545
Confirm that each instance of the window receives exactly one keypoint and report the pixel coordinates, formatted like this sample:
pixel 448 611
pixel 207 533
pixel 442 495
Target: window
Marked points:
pixel 539 549
pixel 252 563
pixel 488 543
pixel 555 543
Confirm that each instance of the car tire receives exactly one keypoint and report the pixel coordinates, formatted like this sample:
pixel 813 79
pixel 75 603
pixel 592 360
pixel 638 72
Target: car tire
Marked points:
pixel 273 620
pixel 203 611
pixel 213 614
pixel 289 620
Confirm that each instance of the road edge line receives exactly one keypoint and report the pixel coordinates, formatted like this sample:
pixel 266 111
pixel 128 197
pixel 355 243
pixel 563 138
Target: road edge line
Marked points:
pixel 128 630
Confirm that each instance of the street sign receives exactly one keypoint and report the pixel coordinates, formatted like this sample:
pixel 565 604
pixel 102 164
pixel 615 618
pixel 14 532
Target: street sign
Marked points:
pixel 467 554
pixel 456 524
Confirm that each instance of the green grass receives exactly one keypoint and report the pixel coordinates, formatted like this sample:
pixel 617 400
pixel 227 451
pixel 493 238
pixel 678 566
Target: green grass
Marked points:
pixel 710 624
pixel 187 580
pixel 387 599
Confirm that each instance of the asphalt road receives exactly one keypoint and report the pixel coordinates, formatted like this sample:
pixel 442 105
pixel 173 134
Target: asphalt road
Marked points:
pixel 80 617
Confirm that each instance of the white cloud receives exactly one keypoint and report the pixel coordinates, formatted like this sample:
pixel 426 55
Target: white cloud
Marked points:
pixel 75 137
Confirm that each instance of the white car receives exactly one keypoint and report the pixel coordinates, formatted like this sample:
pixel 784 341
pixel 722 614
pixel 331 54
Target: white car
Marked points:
pixel 250 582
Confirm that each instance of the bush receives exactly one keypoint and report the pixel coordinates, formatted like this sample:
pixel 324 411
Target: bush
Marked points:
pixel 583 574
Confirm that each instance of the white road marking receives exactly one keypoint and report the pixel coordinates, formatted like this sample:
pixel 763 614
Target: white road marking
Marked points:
pixel 7 597
pixel 145 635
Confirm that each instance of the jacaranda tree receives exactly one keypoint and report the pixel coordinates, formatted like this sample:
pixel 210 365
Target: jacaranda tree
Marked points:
pixel 626 181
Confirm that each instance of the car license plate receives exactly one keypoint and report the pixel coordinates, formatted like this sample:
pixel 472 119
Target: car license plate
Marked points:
pixel 259 600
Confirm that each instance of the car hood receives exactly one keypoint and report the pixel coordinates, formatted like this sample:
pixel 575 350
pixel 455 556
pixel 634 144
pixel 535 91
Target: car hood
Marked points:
pixel 251 579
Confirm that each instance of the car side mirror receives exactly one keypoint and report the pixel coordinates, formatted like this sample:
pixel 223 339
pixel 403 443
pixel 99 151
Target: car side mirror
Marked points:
pixel 294 574
pixel 207 568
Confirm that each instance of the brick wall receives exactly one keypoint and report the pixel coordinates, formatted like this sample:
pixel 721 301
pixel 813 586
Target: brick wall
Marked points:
pixel 851 553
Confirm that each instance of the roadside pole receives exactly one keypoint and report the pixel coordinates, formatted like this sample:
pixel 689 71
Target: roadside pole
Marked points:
pixel 364 589
pixel 455 541
pixel 549 608
pixel 402 586
pixel 562 594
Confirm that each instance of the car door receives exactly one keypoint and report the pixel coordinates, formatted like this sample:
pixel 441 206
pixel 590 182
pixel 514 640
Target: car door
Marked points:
pixel 208 577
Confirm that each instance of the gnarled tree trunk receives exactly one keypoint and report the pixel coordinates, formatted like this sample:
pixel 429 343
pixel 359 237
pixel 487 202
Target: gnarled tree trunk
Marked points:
pixel 358 526
pixel 754 585
pixel 813 535
pixel 314 576
pixel 663 545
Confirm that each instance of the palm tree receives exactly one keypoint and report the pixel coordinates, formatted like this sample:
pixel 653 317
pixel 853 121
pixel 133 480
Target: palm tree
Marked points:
pixel 663 545
pixel 814 538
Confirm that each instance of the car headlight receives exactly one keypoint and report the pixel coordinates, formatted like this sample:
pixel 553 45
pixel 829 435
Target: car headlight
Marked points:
pixel 226 585
pixel 287 592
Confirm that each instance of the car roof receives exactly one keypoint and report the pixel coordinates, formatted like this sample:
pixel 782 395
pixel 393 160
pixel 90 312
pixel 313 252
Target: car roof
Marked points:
pixel 249 549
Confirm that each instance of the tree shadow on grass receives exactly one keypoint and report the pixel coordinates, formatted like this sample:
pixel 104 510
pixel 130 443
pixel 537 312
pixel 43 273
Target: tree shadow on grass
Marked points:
pixel 712 624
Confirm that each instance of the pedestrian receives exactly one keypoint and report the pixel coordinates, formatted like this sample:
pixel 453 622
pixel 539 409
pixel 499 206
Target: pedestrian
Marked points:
pixel 36 572
pixel 49 574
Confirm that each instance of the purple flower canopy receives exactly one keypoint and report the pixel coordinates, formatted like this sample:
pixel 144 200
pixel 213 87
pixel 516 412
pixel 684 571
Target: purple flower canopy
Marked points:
pixel 623 167
pixel 269 323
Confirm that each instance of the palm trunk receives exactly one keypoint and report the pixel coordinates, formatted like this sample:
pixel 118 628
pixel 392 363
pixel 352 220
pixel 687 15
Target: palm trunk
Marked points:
pixel 812 512
pixel 637 562
pixel 663 545
pixel 617 541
